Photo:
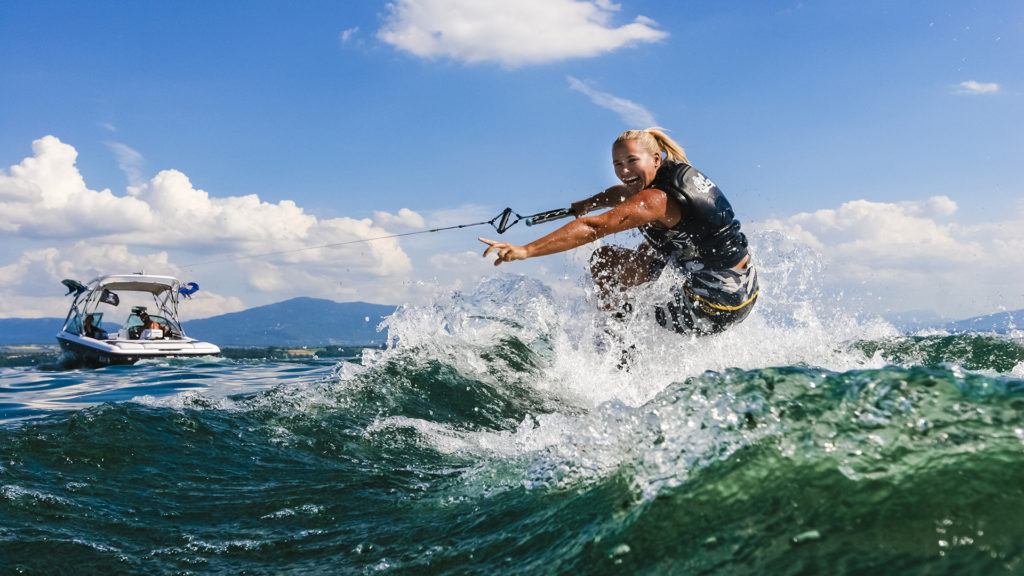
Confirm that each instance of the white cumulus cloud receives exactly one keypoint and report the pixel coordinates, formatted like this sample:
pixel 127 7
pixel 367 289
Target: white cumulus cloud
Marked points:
pixel 404 219
pixel 46 196
pixel 511 33
pixel 912 255
pixel 166 225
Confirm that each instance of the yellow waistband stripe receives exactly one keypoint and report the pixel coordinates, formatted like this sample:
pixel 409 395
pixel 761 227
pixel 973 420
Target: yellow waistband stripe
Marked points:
pixel 729 308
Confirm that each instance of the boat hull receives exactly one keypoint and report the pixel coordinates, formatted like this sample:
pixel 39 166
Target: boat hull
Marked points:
pixel 94 352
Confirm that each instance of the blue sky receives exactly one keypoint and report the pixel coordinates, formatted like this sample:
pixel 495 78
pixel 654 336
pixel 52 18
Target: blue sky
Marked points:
pixel 884 135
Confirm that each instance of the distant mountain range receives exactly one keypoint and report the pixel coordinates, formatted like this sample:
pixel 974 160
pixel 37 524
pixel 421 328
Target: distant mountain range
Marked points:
pixel 317 322
pixel 292 323
pixel 1000 322
pixel 295 322
pixel 15 331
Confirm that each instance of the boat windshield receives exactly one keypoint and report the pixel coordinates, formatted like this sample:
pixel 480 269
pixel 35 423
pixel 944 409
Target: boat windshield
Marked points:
pixel 74 325
pixel 134 324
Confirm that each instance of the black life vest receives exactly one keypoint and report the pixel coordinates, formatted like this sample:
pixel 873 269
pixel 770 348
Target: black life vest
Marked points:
pixel 708 232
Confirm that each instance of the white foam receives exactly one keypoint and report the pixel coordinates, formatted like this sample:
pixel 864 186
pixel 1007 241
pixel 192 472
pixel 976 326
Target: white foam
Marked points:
pixel 608 417
pixel 793 323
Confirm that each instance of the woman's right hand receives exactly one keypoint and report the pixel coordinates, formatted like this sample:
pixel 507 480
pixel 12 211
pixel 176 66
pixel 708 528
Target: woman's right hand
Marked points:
pixel 506 252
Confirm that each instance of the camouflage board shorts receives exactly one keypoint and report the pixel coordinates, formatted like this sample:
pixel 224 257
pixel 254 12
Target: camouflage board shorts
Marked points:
pixel 709 301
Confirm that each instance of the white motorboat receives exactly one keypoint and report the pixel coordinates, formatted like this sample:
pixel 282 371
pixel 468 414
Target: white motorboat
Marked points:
pixel 151 329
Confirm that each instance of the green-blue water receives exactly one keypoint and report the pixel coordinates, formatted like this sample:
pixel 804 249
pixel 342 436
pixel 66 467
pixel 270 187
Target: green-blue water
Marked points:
pixel 496 435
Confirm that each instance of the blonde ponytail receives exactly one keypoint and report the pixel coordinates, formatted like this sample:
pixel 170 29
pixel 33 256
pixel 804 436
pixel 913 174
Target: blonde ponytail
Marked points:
pixel 655 141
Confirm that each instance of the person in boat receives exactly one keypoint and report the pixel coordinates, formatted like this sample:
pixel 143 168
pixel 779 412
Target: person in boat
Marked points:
pixel 149 324
pixel 91 330
pixel 687 224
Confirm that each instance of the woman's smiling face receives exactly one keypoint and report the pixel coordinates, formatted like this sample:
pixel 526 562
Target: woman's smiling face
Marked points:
pixel 634 165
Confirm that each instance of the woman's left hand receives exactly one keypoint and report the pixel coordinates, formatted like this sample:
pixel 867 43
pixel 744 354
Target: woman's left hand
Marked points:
pixel 506 252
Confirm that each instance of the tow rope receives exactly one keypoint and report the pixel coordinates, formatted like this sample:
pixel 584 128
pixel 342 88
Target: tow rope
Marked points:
pixel 506 219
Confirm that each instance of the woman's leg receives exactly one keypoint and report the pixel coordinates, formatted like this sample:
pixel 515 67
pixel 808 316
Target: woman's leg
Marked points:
pixel 615 270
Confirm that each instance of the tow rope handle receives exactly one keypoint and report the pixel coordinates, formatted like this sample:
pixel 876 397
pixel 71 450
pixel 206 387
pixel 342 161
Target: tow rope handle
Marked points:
pixel 504 221
pixel 548 216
